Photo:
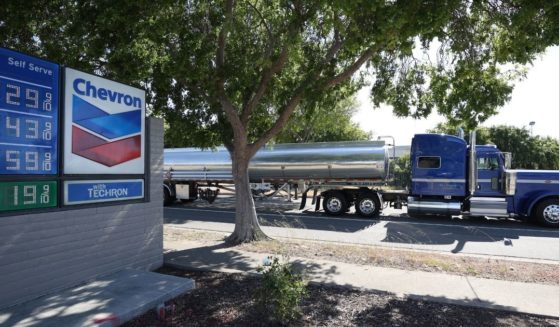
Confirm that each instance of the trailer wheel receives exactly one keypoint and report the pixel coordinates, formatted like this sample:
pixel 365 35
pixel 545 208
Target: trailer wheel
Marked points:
pixel 547 213
pixel 367 205
pixel 167 199
pixel 335 203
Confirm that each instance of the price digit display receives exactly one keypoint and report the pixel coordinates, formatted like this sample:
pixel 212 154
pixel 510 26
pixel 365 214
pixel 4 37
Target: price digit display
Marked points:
pixel 28 114
pixel 27 195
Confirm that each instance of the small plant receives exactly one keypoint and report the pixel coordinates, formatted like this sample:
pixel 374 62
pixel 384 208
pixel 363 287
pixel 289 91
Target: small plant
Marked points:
pixel 281 291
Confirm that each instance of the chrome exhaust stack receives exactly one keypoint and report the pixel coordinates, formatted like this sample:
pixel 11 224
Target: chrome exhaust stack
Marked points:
pixel 473 164
pixel 460 132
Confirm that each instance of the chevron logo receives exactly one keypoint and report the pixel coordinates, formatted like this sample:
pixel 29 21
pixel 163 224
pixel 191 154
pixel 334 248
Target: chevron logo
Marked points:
pixel 104 138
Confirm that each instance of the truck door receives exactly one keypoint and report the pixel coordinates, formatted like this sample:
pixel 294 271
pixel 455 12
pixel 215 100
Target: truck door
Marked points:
pixel 490 174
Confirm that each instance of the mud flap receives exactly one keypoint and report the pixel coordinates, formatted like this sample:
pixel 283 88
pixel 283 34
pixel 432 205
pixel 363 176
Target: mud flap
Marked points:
pixel 317 204
pixel 314 195
pixel 303 200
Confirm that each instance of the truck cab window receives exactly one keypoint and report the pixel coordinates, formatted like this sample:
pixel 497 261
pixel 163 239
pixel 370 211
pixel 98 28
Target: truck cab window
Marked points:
pixel 487 163
pixel 429 162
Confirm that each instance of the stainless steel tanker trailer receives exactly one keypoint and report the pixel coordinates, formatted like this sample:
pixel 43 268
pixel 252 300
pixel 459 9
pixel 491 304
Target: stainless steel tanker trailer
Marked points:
pixel 448 177
pixel 343 173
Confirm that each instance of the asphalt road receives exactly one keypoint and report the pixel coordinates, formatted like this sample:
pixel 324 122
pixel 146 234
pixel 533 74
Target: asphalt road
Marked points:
pixel 492 237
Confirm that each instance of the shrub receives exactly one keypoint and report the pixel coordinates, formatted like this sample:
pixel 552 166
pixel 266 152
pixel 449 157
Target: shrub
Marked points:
pixel 281 291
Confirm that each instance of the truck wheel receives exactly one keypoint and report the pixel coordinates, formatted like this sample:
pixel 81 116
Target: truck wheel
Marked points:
pixel 547 213
pixel 367 205
pixel 335 203
pixel 167 199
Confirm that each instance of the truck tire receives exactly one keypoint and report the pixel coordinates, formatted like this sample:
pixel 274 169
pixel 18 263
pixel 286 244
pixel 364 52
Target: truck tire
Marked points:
pixel 547 213
pixel 367 205
pixel 335 203
pixel 167 199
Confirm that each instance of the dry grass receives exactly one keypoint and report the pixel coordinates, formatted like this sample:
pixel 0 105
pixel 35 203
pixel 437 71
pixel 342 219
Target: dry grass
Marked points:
pixel 386 257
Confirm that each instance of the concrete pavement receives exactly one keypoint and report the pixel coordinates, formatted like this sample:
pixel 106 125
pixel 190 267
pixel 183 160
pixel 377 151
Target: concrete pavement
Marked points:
pixel 479 292
pixel 107 301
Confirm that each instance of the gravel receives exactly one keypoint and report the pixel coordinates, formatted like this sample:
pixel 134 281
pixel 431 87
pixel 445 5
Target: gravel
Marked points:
pixel 223 299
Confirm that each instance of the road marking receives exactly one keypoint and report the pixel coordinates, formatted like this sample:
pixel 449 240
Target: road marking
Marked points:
pixel 302 215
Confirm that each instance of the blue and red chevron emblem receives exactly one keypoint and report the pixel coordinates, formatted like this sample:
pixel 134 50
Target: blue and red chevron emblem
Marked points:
pixel 104 138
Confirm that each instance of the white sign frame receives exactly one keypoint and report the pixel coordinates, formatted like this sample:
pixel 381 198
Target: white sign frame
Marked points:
pixel 113 98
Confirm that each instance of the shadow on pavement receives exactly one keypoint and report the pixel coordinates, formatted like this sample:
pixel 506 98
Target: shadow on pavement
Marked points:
pixel 209 258
pixel 222 256
pixel 401 232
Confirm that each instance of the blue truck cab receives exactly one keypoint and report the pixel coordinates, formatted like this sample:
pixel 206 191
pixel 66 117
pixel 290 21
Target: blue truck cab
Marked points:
pixel 449 177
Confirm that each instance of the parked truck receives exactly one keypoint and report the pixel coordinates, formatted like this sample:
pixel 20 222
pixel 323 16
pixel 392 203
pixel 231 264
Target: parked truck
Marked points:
pixel 448 177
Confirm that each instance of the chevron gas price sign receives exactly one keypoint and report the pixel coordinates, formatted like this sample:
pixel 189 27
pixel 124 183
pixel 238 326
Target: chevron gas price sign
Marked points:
pixel 27 195
pixel 103 126
pixel 103 134
pixel 28 114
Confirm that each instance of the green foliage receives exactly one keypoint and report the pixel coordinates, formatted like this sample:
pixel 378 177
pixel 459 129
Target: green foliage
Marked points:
pixel 402 172
pixel 327 122
pixel 528 152
pixel 281 292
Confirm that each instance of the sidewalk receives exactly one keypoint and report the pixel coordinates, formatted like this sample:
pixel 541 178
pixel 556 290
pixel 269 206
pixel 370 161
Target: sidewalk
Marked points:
pixel 107 301
pixel 471 291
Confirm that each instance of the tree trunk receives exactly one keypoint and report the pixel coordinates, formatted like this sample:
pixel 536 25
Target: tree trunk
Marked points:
pixel 247 228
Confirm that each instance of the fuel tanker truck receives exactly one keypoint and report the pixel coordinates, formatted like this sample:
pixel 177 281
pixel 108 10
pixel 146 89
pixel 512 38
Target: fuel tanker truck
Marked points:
pixel 448 177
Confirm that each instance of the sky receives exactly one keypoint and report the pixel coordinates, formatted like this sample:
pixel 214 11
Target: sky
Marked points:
pixel 536 98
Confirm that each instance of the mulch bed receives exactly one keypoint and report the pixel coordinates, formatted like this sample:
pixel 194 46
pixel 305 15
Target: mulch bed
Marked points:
pixel 222 299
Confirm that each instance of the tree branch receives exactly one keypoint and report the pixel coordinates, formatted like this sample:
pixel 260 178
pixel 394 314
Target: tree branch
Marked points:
pixel 270 34
pixel 351 69
pixel 296 99
pixel 280 122
pixel 221 41
pixel 226 104
pixel 275 68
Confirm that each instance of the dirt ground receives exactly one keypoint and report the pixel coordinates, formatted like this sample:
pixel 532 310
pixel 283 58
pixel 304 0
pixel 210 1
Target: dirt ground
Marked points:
pixel 485 267
pixel 222 299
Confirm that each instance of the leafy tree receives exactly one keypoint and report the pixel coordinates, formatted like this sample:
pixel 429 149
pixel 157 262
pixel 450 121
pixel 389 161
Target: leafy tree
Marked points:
pixel 528 152
pixel 234 72
pixel 402 172
pixel 323 124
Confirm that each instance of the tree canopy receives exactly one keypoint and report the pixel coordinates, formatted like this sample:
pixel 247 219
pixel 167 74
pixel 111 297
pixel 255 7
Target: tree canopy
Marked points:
pixel 528 152
pixel 278 53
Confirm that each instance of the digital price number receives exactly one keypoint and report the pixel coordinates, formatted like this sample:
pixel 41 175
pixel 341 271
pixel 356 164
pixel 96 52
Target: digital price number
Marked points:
pixel 27 195
pixel 28 114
